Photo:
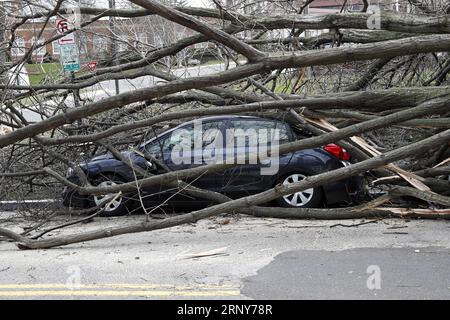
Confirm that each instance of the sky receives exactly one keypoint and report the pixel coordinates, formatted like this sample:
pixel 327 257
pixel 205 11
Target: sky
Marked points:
pixel 197 3
pixel 193 3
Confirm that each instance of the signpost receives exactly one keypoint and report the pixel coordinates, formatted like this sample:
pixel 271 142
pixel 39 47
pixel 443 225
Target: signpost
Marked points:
pixel 69 56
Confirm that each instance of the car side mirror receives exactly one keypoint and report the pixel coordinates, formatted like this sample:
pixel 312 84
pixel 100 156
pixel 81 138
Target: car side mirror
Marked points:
pixel 151 165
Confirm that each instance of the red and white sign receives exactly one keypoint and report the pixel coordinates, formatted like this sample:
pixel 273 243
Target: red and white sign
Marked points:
pixel 92 66
pixel 62 26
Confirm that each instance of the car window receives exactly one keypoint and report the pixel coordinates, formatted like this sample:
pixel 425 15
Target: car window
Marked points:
pixel 254 130
pixel 300 132
pixel 210 132
pixel 165 142
pixel 155 147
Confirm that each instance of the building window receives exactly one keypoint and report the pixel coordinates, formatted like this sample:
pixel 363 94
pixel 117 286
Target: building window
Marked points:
pixel 55 47
pixel 18 48
pixel 141 41
pixel 41 50
pixel 99 44
pixel 141 37
pixel 158 41
pixel 122 44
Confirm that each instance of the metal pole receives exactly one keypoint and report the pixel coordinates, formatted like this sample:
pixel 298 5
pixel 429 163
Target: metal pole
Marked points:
pixel 3 49
pixel 76 100
pixel 112 27
pixel 76 93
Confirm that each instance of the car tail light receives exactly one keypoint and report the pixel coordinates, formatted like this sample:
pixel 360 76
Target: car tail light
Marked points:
pixel 338 151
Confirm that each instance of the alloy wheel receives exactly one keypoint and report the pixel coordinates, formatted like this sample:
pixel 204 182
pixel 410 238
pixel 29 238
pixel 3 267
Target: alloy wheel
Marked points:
pixel 106 199
pixel 300 198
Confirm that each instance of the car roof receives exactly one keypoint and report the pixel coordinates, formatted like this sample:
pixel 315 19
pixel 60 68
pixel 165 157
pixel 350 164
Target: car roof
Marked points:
pixel 224 117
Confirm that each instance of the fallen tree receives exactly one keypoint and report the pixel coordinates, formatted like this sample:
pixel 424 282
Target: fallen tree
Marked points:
pixel 382 94
pixel 249 201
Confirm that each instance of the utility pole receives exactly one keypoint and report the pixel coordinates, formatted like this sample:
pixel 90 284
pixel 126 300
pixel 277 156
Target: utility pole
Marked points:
pixel 4 69
pixel 112 27
pixel 3 48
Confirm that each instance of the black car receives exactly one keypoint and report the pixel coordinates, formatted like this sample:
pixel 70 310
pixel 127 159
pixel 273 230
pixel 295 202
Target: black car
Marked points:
pixel 236 182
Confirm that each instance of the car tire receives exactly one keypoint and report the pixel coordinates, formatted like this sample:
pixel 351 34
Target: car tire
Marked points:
pixel 309 198
pixel 120 205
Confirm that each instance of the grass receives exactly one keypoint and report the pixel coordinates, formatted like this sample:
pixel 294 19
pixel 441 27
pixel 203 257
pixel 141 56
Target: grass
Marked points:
pixel 38 73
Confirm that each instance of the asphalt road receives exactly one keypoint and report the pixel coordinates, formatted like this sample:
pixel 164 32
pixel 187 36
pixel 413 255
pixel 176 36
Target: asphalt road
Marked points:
pixel 107 88
pixel 404 273
pixel 237 258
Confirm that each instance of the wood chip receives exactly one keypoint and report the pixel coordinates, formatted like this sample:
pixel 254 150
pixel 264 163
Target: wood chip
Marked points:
pixel 214 252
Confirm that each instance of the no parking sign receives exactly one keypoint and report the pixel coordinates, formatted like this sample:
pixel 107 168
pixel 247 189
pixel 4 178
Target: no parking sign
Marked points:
pixel 62 26
pixel 68 54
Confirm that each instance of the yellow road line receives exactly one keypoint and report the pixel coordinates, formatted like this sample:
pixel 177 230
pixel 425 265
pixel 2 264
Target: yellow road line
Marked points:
pixel 117 289
pixel 145 293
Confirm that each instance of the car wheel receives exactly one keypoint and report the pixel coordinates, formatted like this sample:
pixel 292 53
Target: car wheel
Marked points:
pixel 309 198
pixel 113 205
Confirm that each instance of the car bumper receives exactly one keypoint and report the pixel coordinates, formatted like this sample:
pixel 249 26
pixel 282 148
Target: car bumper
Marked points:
pixel 347 191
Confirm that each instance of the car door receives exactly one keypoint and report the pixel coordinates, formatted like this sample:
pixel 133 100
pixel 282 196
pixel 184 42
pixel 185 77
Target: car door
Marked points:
pixel 184 148
pixel 249 136
pixel 157 149
pixel 209 150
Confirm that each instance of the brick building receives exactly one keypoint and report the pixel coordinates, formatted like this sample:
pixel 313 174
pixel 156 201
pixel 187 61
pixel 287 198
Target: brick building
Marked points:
pixel 94 41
